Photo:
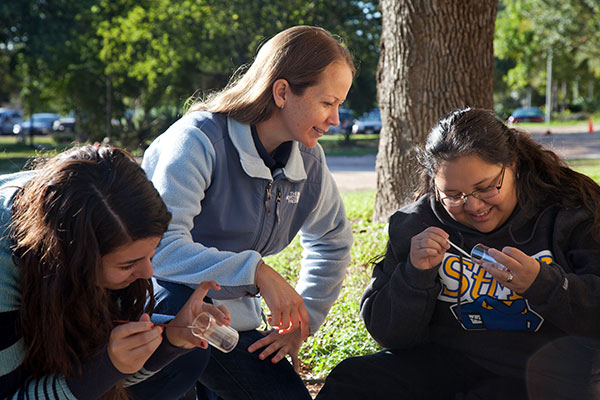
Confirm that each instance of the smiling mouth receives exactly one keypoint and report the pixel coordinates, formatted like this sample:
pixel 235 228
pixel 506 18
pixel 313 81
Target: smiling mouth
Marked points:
pixel 482 214
pixel 320 131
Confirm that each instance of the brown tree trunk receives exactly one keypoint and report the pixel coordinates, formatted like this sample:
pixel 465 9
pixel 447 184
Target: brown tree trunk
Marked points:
pixel 436 55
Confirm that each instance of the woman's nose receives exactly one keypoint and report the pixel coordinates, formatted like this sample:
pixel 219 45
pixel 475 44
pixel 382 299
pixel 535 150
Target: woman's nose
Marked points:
pixel 145 270
pixel 334 117
pixel 472 203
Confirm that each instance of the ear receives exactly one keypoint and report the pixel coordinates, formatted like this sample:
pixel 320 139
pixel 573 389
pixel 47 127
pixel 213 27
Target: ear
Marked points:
pixel 281 88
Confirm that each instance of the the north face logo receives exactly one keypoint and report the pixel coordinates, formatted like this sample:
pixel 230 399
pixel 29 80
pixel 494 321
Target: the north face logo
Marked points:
pixel 293 197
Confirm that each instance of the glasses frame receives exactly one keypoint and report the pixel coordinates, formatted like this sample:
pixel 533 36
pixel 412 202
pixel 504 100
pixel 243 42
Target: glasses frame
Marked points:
pixel 475 193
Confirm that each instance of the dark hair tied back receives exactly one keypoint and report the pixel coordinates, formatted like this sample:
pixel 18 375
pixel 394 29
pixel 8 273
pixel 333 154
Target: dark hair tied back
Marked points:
pixel 543 178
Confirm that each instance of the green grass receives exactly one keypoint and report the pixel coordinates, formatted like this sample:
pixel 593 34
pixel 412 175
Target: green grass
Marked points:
pixel 14 155
pixel 590 168
pixel 343 334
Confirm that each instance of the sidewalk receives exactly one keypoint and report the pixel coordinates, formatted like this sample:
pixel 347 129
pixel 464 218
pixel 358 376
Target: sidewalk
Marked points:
pixel 571 142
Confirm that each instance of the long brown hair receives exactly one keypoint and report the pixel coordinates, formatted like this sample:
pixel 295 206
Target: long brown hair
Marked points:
pixel 542 176
pixel 79 206
pixel 298 55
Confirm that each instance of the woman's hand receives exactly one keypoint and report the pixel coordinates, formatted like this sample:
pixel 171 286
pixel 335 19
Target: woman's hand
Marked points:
pixel 281 344
pixel 194 306
pixel 427 248
pixel 522 269
pixel 131 344
pixel 288 312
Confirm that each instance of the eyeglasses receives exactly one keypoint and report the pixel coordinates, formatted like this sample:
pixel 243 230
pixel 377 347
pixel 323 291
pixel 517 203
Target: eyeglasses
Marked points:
pixel 481 194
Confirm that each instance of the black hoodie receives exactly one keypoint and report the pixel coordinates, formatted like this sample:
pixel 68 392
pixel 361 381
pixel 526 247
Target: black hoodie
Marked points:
pixel 496 327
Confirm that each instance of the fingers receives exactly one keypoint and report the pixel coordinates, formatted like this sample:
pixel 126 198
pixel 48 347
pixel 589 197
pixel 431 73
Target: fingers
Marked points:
pixel 438 232
pixel 270 349
pixel 131 344
pixel 202 289
pixel 432 238
pixel 145 317
pixel 288 311
pixel 522 269
pixel 304 324
pixel 133 328
pixel 278 346
pixel 293 315
pixel 276 318
pixel 197 342
pixel 225 311
pixel 295 362
pixel 267 340
pixel 294 322
pixel 145 348
pixel 428 248
pixel 192 308
pixel 220 312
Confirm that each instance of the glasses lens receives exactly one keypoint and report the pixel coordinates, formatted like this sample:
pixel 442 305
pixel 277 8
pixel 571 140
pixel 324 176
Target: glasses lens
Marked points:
pixel 452 201
pixel 486 193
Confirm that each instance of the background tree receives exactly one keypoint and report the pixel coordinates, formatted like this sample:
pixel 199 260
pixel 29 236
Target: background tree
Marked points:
pixel 130 65
pixel 436 55
pixel 526 30
pixel 166 50
pixel 54 53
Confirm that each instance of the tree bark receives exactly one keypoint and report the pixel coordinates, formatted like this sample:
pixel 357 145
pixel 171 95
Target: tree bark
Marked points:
pixel 436 56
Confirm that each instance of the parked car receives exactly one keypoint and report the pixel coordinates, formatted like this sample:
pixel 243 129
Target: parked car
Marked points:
pixel 346 119
pixel 526 114
pixel 42 124
pixel 64 124
pixel 368 124
pixel 8 118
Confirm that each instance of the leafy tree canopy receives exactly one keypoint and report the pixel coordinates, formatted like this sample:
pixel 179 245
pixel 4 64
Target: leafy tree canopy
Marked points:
pixel 526 30
pixel 151 55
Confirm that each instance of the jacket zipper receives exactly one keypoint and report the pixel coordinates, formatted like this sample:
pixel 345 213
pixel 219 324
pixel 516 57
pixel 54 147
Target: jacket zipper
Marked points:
pixel 263 219
pixel 277 205
pixel 275 220
pixel 268 198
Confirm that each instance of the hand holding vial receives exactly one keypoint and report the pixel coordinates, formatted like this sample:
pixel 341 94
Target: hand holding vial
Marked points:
pixel 222 337
pixel 480 255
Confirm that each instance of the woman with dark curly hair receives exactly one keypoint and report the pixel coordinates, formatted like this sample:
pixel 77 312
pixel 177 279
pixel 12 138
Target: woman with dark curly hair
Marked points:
pixel 526 328
pixel 76 240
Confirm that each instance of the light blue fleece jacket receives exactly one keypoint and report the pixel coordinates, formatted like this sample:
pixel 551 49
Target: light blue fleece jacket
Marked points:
pixel 229 211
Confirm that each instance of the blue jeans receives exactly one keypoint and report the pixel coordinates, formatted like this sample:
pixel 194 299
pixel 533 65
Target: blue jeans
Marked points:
pixel 238 374
pixel 174 380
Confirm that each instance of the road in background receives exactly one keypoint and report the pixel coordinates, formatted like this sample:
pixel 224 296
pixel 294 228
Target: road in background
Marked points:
pixel 571 143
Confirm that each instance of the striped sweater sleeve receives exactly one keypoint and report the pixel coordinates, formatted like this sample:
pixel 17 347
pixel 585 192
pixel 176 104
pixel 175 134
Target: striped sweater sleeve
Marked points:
pixel 99 374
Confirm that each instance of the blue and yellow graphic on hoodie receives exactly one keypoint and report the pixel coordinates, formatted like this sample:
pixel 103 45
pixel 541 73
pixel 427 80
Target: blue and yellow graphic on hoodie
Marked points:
pixel 484 302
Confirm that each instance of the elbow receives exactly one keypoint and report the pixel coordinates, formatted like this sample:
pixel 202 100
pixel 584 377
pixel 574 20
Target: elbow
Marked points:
pixel 386 331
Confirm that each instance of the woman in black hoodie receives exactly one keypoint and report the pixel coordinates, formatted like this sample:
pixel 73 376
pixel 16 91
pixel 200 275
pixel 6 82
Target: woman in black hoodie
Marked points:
pixel 451 326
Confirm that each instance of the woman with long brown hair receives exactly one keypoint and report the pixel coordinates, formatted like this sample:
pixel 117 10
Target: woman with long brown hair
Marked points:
pixel 76 240
pixel 519 323
pixel 242 174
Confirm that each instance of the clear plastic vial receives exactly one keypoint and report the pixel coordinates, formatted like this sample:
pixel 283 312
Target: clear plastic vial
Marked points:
pixel 223 337
pixel 480 255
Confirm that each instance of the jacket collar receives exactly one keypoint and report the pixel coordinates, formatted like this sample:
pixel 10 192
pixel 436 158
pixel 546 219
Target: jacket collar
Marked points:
pixel 252 163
